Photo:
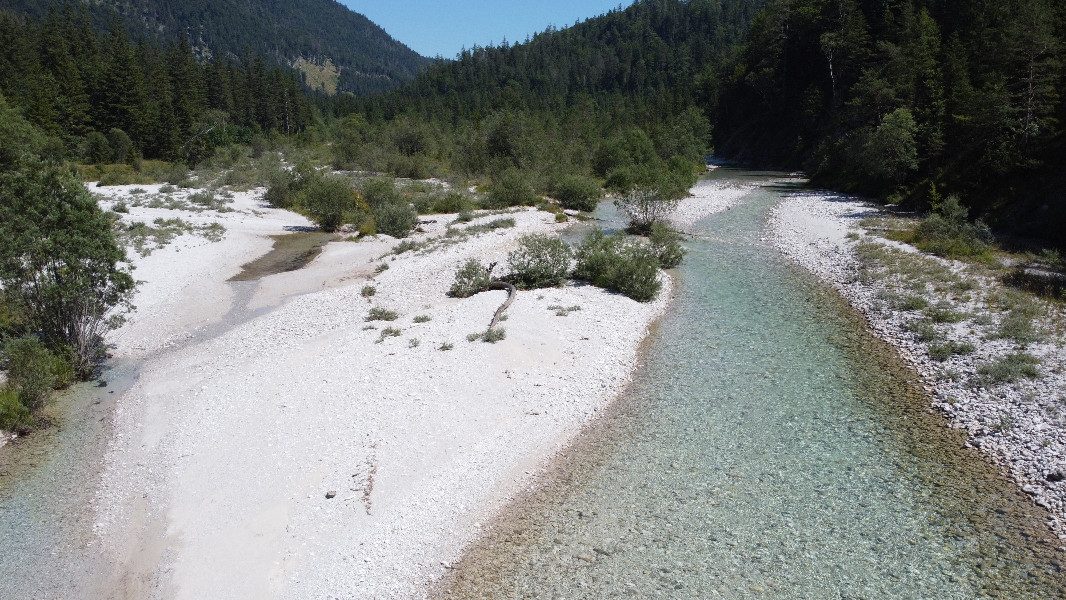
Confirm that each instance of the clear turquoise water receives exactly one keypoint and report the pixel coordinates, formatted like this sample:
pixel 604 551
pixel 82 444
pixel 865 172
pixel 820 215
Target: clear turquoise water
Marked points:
pixel 769 448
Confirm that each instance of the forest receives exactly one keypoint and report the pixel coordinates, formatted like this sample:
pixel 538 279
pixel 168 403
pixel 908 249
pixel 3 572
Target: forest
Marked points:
pixel 105 98
pixel 906 101
pixel 363 57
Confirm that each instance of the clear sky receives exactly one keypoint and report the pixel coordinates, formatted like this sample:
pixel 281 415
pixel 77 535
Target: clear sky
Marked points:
pixel 444 28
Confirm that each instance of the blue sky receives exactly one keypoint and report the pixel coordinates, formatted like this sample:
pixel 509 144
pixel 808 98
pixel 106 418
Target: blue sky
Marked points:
pixel 445 28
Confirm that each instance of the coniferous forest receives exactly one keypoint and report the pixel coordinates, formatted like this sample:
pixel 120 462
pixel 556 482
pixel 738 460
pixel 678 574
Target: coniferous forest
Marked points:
pixel 908 101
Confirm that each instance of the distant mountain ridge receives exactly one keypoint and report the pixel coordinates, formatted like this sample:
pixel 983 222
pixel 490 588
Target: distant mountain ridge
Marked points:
pixel 336 49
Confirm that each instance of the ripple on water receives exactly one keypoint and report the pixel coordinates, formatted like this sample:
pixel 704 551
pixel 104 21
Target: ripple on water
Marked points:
pixel 769 447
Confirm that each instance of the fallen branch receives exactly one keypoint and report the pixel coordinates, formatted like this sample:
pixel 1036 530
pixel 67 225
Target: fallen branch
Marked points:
pixel 511 292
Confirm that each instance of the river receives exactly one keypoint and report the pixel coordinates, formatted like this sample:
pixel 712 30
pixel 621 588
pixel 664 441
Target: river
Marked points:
pixel 769 447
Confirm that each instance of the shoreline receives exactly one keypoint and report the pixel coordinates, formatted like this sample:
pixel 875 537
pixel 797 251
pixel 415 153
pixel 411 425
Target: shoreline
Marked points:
pixel 1016 425
pixel 229 441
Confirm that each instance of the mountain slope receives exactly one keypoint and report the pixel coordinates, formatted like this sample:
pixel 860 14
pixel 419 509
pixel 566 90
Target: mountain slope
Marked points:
pixel 336 48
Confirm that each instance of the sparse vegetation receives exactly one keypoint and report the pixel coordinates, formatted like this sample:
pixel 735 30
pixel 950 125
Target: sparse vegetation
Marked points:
pixel 145 238
pixel 423 319
pixel 388 332
pixel 368 291
pixel 1008 369
pixel 493 335
pixel 381 314
pixel 562 311
pixel 942 352
pixel 947 232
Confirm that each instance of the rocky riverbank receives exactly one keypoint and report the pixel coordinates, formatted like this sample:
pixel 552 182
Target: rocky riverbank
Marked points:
pixel 333 430
pixel 992 357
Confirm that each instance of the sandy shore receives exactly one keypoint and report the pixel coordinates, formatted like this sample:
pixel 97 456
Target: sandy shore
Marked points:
pixel 246 420
pixel 1020 426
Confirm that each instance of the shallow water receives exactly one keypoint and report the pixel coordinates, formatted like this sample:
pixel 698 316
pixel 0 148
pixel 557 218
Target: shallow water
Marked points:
pixel 48 480
pixel 768 447
pixel 291 252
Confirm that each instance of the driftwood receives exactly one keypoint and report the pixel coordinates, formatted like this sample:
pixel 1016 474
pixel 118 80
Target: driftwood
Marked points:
pixel 511 293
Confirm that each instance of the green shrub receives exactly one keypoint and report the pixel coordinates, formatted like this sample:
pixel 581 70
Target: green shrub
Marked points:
pixel 446 346
pixel 281 191
pixel 14 416
pixel 379 191
pixel 648 203
pixel 368 291
pixel 451 202
pixel 947 232
pixel 387 333
pixel 666 245
pixel 620 180
pixel 33 371
pixel 470 279
pixel 539 261
pixel 946 350
pixel 465 216
pixel 381 314
pixel 1008 369
pixel 924 330
pixel 943 313
pixel 493 335
pixel 911 303
pixel 408 246
pixel 511 189
pixel 326 201
pixel 395 219
pixel 615 263
pixel 578 193
pixel 423 319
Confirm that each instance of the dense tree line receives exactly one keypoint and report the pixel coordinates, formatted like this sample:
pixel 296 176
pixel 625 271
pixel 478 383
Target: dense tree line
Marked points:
pixel 109 98
pixel 910 100
pixel 904 100
pixel 368 60
pixel 615 97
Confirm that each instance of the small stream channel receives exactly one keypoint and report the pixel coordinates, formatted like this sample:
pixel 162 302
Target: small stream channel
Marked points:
pixel 769 447
pixel 48 479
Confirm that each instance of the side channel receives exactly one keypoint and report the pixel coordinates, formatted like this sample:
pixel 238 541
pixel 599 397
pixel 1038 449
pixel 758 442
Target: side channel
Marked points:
pixel 770 446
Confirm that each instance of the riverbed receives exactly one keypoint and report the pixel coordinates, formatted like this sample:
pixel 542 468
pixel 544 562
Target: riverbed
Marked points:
pixel 770 446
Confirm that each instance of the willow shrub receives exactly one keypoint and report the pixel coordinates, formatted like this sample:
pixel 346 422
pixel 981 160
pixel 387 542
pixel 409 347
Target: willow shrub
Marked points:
pixel 539 261
pixel 617 263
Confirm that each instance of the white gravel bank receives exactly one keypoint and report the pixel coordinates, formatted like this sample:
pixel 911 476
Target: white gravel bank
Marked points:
pixel 216 484
pixel 1022 425
pixel 709 196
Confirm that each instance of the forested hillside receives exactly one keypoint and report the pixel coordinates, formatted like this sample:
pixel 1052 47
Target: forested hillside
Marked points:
pixel 107 98
pixel 910 100
pixel 618 97
pixel 323 37
pixel 904 100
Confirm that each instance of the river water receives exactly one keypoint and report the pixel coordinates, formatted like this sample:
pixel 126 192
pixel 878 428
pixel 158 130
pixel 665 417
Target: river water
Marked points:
pixel 48 480
pixel 769 447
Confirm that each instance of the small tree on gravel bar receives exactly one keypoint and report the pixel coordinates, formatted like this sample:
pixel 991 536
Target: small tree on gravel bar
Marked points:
pixel 650 202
